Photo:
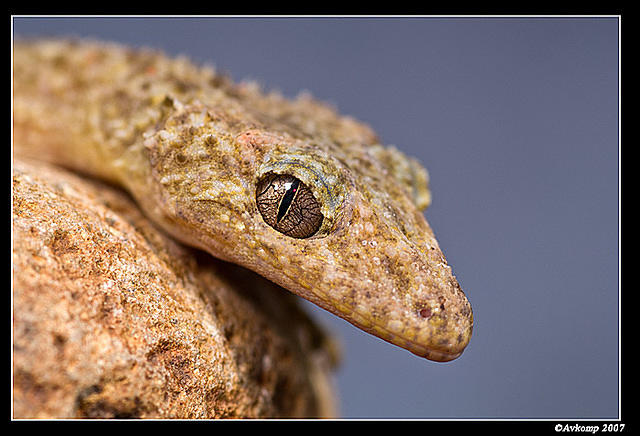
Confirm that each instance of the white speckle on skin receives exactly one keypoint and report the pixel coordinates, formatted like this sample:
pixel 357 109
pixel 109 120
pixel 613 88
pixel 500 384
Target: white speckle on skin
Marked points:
pixel 395 325
pixel 165 136
pixel 166 180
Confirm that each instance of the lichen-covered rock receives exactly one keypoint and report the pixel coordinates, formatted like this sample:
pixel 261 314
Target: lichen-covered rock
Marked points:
pixel 112 318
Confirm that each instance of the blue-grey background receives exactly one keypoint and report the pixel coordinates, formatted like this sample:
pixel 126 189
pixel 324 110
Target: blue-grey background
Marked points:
pixel 516 120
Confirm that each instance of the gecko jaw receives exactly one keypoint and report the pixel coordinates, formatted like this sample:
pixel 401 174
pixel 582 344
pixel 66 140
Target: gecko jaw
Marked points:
pixel 432 342
pixel 430 353
pixel 419 349
pixel 437 356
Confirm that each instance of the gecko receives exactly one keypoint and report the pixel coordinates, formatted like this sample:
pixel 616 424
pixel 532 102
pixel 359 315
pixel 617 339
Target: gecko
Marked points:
pixel 289 188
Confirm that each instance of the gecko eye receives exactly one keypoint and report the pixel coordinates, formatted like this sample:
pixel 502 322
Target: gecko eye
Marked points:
pixel 288 205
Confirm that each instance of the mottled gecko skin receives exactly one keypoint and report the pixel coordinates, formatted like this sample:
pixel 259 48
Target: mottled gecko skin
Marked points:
pixel 191 146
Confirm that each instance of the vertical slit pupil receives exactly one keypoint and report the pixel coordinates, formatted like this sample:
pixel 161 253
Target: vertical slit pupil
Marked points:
pixel 287 199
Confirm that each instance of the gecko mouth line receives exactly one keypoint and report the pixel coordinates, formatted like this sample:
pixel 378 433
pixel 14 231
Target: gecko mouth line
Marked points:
pixel 415 347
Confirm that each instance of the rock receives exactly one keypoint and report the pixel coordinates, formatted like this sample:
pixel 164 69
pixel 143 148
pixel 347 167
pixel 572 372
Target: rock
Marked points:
pixel 114 319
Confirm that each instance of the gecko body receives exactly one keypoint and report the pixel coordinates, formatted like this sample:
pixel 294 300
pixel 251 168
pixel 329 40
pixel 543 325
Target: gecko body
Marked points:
pixel 287 188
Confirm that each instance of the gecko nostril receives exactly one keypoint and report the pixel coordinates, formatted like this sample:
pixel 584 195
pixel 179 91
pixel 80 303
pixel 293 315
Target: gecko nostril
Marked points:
pixel 425 312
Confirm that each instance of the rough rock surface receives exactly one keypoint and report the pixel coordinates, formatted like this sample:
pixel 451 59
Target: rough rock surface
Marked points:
pixel 111 318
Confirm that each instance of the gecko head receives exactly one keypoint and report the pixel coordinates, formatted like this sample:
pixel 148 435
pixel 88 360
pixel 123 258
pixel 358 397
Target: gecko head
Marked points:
pixel 339 224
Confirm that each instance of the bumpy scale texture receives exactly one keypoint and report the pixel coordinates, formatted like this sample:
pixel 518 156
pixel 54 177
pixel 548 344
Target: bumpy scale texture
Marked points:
pixel 191 146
